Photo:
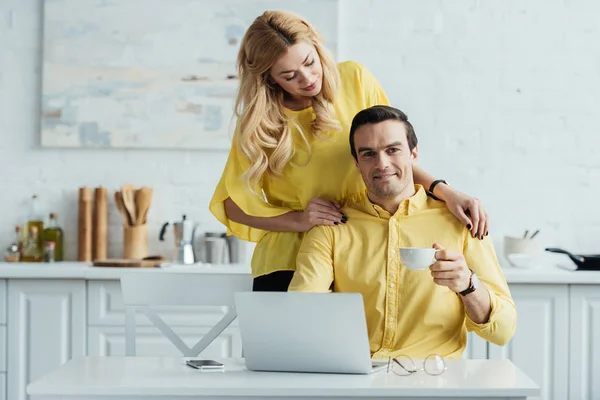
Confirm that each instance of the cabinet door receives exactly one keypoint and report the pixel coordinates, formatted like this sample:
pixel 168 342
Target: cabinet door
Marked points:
pixel 3 348
pixel 3 387
pixel 3 301
pixel 110 341
pixel 541 339
pixel 476 347
pixel 46 328
pixel 584 349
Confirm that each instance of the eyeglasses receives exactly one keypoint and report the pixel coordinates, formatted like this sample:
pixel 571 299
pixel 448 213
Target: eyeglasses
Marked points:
pixel 402 365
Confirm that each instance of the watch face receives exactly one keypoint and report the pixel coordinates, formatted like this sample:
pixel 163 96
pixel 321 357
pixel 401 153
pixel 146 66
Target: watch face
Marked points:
pixel 474 280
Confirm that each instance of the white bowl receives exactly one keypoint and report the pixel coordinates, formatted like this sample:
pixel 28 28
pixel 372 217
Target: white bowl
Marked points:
pixel 529 261
pixel 417 258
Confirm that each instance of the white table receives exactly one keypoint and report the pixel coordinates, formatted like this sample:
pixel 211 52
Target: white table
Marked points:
pixel 168 378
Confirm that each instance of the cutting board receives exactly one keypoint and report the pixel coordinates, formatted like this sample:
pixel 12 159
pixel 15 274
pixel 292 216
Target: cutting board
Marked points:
pixel 149 262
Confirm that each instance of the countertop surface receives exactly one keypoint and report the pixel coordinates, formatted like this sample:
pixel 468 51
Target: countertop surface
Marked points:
pixel 81 270
pixel 133 377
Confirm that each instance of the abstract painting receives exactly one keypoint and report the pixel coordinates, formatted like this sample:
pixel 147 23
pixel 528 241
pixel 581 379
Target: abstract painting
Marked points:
pixel 151 73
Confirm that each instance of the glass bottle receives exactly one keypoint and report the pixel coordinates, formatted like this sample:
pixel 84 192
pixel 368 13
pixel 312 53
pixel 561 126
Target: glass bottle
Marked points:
pixel 36 218
pixel 14 251
pixel 54 233
pixel 19 240
pixel 32 250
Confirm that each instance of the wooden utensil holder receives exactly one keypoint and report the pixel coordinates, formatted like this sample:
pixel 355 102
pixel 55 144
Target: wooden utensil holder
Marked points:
pixel 135 241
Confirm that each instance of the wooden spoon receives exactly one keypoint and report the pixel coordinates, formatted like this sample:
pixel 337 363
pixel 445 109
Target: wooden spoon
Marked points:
pixel 121 207
pixel 128 194
pixel 143 198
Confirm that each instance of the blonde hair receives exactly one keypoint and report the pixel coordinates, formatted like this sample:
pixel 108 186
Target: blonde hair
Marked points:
pixel 263 129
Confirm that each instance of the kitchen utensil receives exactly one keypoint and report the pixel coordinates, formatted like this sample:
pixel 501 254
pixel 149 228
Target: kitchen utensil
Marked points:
pixel 121 206
pixel 84 222
pixel 100 224
pixel 184 233
pixel 143 198
pixel 128 194
pixel 517 245
pixel 135 241
pixel 215 248
pixel 528 261
pixel 147 262
pixel 235 249
pixel 583 262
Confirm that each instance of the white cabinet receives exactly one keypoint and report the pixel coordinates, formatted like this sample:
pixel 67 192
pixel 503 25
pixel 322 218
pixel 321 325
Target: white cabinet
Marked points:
pixel 2 348
pixel 476 347
pixel 584 346
pixel 46 328
pixel 539 346
pixel 3 339
pixel 3 387
pixel 106 326
pixel 3 301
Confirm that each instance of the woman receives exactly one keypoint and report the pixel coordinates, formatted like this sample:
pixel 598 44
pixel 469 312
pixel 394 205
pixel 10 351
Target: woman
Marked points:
pixel 290 167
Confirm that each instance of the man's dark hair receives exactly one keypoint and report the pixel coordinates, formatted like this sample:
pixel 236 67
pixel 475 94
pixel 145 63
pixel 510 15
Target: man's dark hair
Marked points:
pixel 376 114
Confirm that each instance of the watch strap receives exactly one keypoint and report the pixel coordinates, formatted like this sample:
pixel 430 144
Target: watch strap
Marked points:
pixel 468 290
pixel 471 287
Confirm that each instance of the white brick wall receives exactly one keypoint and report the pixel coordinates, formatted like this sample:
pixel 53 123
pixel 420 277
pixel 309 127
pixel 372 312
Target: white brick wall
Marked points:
pixel 502 95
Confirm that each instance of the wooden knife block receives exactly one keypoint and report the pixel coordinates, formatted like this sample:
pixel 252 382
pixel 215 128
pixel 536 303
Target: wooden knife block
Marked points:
pixel 135 242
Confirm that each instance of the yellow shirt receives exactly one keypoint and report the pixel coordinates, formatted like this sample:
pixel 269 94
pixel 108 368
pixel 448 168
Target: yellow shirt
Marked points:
pixel 406 312
pixel 330 174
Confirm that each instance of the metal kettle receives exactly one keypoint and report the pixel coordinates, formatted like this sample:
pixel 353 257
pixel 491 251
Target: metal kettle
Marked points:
pixel 184 233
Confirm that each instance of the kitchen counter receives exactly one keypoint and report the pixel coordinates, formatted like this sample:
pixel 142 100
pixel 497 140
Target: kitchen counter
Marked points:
pixel 81 270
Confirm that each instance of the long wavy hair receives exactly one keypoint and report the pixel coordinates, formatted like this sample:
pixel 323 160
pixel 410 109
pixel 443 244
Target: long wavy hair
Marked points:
pixel 264 131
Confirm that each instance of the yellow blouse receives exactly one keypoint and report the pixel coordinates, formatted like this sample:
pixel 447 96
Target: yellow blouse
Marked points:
pixel 330 174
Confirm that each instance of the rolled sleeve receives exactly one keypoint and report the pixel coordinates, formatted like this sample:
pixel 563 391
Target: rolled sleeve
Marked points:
pixel 232 185
pixel 481 258
pixel 314 264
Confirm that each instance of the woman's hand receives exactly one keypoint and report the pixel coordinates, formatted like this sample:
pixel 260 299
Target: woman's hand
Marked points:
pixel 320 212
pixel 468 210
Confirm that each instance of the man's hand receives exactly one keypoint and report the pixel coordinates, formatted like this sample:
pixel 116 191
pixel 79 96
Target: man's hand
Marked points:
pixel 450 269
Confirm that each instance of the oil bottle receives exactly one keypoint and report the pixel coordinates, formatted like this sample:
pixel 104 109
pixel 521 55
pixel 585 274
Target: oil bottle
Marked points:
pixel 32 250
pixel 54 233
pixel 36 218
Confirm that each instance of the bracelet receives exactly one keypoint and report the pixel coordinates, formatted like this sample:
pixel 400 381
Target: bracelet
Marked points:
pixel 433 184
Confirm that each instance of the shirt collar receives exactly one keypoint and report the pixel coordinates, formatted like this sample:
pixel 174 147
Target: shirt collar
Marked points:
pixel 408 206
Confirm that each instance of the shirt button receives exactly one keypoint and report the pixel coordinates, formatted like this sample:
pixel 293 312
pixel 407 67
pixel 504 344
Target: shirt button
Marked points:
pixel 392 285
pixel 393 251
pixel 391 319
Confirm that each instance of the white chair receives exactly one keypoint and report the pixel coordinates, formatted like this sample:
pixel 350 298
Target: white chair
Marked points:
pixel 144 289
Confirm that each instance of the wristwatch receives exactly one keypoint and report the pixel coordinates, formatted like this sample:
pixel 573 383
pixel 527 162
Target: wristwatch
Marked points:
pixel 473 284
pixel 433 185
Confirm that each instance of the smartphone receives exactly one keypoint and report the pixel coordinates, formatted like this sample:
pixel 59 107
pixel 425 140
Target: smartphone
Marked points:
pixel 205 364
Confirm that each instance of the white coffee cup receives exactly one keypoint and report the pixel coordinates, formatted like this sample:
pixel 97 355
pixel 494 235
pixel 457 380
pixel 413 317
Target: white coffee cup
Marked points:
pixel 417 258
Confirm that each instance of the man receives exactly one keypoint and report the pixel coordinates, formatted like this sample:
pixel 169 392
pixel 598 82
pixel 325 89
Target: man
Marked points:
pixel 414 313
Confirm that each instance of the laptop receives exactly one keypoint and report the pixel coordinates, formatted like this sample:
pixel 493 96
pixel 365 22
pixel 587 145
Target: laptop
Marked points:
pixel 304 332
